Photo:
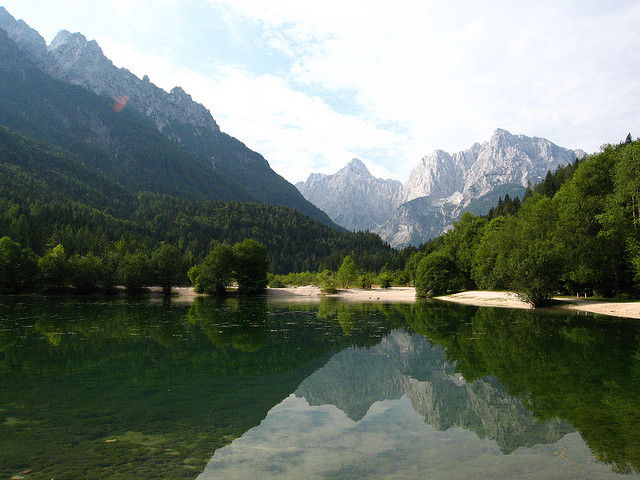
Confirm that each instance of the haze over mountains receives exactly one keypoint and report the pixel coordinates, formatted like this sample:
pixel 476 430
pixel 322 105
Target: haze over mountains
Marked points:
pixel 440 188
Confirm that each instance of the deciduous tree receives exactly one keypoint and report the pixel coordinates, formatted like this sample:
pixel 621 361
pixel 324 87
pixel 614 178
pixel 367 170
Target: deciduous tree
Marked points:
pixel 251 266
pixel 347 273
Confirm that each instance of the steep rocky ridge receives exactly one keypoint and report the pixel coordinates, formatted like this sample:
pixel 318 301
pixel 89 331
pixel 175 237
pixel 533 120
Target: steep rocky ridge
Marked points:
pixel 353 197
pixel 417 220
pixel 217 165
pixel 72 58
pixel 440 188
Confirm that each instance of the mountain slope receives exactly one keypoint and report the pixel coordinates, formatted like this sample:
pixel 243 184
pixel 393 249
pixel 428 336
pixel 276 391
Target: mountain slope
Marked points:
pixel 48 197
pixel 160 142
pixel 353 197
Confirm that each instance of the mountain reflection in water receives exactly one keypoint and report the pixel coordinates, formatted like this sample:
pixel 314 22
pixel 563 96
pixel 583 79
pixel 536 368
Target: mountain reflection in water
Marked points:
pixel 244 388
pixel 399 409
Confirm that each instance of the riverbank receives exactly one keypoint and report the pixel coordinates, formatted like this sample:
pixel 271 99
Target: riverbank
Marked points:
pixel 311 293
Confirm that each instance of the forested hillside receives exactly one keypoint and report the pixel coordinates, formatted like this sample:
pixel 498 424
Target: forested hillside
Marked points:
pixel 575 233
pixel 49 198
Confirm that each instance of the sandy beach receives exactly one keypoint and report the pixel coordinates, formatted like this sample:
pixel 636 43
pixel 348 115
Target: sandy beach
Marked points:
pixel 511 300
pixel 311 293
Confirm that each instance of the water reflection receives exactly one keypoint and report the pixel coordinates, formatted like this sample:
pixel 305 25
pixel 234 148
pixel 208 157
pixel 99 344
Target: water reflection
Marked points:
pixel 396 409
pixel 408 365
pixel 104 388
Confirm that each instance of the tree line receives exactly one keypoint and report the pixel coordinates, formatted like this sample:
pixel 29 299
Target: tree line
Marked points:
pixel 245 263
pixel 576 233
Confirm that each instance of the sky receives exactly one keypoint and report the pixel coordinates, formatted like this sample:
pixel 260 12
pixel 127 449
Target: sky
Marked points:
pixel 311 85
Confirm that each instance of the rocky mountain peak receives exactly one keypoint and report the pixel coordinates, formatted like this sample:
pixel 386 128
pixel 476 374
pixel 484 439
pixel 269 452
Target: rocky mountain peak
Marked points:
pixel 439 188
pixel 67 40
pixel 71 54
pixel 437 174
pixel 352 197
pixel 356 167
pixel 501 132
pixel 26 38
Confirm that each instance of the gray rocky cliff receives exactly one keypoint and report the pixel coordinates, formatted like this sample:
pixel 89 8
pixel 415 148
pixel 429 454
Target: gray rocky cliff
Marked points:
pixel 25 38
pixel 417 220
pixel 353 197
pixel 512 159
pixel 72 58
pixel 504 159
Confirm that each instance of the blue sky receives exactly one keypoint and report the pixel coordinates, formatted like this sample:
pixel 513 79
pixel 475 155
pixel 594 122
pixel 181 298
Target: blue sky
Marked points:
pixel 311 85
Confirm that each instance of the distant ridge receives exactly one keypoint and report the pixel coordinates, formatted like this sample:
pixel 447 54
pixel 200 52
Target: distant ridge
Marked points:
pixel 353 197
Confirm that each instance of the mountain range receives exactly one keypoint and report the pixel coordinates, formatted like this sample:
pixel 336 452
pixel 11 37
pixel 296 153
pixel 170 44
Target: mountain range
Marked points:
pixel 125 134
pixel 439 189
pixel 69 96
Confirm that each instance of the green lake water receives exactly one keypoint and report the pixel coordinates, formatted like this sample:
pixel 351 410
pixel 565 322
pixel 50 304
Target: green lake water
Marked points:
pixel 101 388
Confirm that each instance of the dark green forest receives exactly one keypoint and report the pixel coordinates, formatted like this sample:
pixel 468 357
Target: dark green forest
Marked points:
pixel 576 233
pixel 127 147
pixel 48 198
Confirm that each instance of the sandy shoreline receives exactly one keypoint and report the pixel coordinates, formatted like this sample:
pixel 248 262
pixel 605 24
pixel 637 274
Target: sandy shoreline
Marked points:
pixel 511 300
pixel 311 293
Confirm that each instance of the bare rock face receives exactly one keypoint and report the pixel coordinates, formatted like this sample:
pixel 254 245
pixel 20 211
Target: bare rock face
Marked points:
pixel 505 159
pixel 417 220
pixel 437 175
pixel 72 58
pixel 510 158
pixel 353 197
pixel 439 188
pixel 26 38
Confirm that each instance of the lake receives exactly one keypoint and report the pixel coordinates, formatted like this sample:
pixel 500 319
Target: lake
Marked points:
pixel 125 388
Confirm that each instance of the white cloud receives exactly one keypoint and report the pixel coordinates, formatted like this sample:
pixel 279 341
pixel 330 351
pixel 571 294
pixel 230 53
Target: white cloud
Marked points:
pixel 452 72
